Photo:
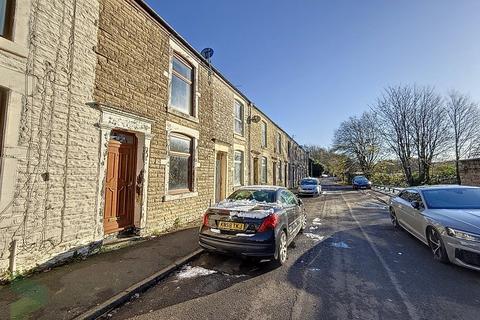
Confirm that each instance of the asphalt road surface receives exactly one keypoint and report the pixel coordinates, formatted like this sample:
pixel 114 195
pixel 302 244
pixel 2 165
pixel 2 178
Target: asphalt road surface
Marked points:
pixel 350 264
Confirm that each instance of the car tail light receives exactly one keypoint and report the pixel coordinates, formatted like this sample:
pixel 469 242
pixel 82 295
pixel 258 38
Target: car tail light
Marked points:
pixel 205 219
pixel 270 222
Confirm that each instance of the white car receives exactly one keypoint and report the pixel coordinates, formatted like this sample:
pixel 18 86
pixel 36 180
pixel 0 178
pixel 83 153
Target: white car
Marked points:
pixel 309 187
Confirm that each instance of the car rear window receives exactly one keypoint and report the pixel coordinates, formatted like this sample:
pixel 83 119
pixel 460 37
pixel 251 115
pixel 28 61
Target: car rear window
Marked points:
pixel 460 198
pixel 308 182
pixel 261 195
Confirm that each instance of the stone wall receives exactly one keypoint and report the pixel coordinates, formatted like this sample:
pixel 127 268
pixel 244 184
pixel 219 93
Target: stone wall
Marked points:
pixel 133 73
pixel 74 71
pixel 50 157
pixel 470 172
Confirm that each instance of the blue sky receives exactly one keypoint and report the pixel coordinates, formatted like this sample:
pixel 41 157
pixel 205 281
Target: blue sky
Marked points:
pixel 310 64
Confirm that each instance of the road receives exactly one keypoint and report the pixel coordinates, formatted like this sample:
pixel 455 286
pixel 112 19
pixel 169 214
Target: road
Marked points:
pixel 351 264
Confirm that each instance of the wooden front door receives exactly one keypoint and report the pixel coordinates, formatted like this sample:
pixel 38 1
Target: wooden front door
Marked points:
pixel 220 176
pixel 255 171
pixel 274 173
pixel 120 182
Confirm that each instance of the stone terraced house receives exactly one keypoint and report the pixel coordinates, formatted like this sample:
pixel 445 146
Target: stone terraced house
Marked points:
pixel 112 123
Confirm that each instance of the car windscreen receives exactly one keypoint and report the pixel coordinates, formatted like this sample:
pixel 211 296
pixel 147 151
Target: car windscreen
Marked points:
pixel 260 195
pixel 454 198
pixel 308 182
pixel 360 180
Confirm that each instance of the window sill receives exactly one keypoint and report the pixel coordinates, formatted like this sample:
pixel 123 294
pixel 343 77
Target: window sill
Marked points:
pixel 239 136
pixel 178 196
pixel 13 47
pixel 182 115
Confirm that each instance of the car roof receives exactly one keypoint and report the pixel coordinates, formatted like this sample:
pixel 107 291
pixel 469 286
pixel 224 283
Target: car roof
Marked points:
pixel 261 186
pixel 440 186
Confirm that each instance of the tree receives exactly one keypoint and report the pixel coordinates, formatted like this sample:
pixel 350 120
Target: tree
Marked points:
pixel 394 110
pixel 464 117
pixel 429 129
pixel 359 139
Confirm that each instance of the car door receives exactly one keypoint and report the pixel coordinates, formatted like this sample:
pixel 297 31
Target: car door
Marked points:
pixel 402 202
pixel 409 212
pixel 288 201
pixel 417 220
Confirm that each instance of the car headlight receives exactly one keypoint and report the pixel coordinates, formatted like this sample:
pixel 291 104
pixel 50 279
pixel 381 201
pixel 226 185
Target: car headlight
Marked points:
pixel 462 234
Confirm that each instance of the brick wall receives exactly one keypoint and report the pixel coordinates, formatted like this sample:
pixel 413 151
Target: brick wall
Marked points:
pixel 470 172
pixel 51 150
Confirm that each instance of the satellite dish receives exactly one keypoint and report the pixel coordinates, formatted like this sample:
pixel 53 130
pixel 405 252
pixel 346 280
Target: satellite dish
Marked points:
pixel 207 53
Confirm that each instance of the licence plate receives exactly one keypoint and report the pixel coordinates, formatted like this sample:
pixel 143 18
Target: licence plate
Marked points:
pixel 226 225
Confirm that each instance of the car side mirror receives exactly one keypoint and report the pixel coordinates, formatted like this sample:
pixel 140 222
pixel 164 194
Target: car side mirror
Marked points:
pixel 415 205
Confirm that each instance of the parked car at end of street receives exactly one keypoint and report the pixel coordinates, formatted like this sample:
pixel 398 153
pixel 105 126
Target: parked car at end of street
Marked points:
pixel 254 221
pixel 309 186
pixel 361 182
pixel 446 218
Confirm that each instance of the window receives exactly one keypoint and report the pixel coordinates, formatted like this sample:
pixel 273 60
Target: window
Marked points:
pixel 287 197
pixel 264 134
pixel 238 168
pixel 288 147
pixel 278 146
pixel 181 97
pixel 7 11
pixel 181 160
pixel 3 109
pixel 238 117
pixel 264 170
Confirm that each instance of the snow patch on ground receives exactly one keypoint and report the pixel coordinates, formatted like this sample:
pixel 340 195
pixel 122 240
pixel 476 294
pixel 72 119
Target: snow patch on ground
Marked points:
pixel 313 228
pixel 314 236
pixel 317 222
pixel 189 272
pixel 341 244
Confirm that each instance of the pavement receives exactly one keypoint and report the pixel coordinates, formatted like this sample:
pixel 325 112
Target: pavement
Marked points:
pixel 74 289
pixel 350 264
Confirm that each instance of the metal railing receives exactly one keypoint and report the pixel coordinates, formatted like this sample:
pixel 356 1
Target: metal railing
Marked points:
pixel 388 189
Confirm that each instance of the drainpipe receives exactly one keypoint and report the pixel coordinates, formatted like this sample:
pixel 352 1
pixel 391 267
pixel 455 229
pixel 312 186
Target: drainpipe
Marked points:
pixel 13 257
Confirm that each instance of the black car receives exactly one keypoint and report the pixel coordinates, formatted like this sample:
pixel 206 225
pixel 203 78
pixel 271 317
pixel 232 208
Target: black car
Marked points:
pixel 254 221
pixel 360 182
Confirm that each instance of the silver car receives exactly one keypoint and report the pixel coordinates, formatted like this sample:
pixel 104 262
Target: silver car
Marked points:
pixel 309 186
pixel 446 218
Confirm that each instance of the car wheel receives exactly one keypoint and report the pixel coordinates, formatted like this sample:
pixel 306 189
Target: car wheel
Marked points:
pixel 281 257
pixel 393 218
pixel 304 222
pixel 436 245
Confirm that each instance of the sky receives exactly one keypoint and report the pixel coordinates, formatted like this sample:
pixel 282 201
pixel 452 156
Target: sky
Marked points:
pixel 310 64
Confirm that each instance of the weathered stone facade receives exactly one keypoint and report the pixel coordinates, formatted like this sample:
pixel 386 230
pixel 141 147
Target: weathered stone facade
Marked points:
pixel 76 72
pixel 50 152
pixel 470 172
pixel 134 50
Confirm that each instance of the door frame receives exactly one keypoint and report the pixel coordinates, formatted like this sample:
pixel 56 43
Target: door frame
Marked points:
pixel 224 150
pixel 133 167
pixel 112 119
pixel 222 156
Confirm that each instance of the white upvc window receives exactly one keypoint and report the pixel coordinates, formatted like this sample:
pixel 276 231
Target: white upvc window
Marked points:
pixel 239 110
pixel 181 87
pixel 264 134
pixel 238 165
pixel 7 13
pixel 264 170
pixel 278 143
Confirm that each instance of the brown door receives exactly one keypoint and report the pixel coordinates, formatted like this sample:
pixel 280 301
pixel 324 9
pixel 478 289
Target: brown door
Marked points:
pixel 120 182
pixel 274 173
pixel 220 176
pixel 255 171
